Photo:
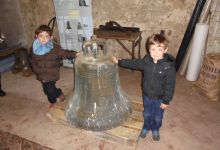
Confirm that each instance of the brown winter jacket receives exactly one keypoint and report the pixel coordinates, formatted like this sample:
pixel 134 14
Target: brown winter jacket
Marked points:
pixel 47 66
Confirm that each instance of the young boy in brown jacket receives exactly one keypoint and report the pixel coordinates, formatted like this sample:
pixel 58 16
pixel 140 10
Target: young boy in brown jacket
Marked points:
pixel 45 61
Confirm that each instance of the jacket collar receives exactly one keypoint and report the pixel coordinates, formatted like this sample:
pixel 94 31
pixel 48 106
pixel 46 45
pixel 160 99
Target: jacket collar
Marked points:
pixel 167 58
pixel 41 49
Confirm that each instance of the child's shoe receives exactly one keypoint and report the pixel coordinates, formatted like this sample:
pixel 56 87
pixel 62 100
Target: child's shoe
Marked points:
pixel 156 135
pixel 143 133
pixel 61 98
pixel 2 93
pixel 51 105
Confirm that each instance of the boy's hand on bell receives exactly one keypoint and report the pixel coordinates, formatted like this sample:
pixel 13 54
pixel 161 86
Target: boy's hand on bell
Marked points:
pixel 163 106
pixel 114 59
pixel 79 53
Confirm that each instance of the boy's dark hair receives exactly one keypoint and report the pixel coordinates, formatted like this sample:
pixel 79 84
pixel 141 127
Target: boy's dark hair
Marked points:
pixel 43 28
pixel 156 39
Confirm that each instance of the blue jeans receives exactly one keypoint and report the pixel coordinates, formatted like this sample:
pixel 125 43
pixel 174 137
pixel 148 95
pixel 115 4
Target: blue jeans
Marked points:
pixel 153 114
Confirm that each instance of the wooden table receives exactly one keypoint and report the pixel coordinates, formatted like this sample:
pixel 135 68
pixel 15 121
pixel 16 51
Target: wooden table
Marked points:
pixel 133 37
pixel 3 55
pixel 10 50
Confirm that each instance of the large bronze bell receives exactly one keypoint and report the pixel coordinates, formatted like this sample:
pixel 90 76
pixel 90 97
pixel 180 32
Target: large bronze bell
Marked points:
pixel 98 102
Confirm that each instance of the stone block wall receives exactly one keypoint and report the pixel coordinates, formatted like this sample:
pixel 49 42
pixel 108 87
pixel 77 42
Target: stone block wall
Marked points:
pixel 150 16
pixel 214 29
pixel 35 13
pixel 11 24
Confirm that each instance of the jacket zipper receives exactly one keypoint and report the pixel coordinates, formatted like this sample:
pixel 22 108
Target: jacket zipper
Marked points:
pixel 152 75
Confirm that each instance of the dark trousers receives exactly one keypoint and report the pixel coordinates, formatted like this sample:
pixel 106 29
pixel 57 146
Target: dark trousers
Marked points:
pixel 2 93
pixel 153 114
pixel 51 91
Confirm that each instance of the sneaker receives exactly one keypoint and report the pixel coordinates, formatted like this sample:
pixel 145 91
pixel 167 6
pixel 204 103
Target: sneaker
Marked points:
pixel 143 133
pixel 61 98
pixel 156 135
pixel 2 93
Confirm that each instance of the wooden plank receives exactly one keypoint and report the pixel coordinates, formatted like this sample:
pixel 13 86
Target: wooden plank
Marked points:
pixel 137 105
pixel 131 36
pixel 126 133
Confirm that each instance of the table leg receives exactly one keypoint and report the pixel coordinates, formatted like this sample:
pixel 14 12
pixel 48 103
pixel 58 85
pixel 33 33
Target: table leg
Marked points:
pixel 139 48
pixel 125 48
pixel 133 48
pixel 2 93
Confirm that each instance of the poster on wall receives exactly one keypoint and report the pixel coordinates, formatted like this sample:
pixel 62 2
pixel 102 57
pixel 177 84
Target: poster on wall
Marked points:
pixel 74 21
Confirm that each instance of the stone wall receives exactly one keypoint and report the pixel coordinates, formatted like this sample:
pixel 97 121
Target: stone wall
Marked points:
pixel 35 13
pixel 214 29
pixel 11 24
pixel 150 16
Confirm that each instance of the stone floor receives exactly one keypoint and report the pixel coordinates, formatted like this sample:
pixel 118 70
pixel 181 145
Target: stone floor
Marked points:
pixel 191 122
pixel 13 142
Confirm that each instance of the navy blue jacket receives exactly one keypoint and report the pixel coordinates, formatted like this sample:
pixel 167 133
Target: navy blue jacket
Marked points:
pixel 159 78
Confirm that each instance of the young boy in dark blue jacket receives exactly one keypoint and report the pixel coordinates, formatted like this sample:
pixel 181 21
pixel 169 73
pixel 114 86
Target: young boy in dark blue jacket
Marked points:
pixel 158 82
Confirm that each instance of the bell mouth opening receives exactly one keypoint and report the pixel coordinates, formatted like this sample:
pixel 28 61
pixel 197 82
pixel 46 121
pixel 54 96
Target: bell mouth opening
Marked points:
pixel 98 123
